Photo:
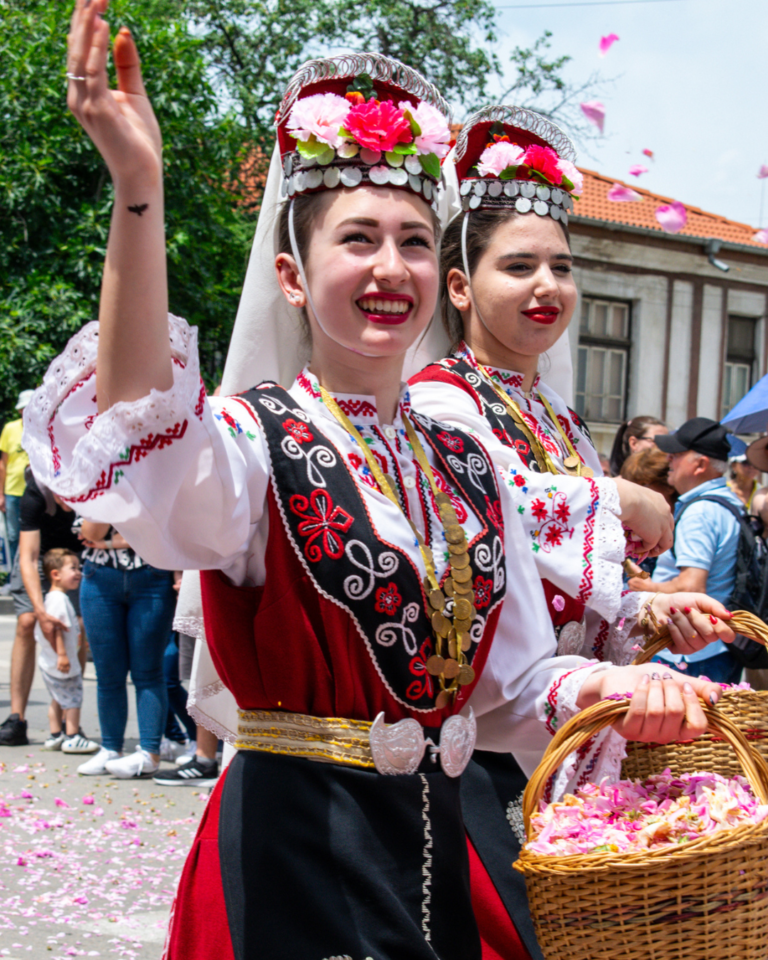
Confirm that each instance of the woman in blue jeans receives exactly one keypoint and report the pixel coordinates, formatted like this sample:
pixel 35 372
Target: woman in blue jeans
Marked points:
pixel 127 609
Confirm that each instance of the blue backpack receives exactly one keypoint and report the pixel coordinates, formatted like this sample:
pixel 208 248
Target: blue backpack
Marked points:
pixel 750 585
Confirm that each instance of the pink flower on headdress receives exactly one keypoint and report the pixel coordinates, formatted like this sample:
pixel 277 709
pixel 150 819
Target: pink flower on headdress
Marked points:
pixel 570 170
pixel 545 161
pixel 672 217
pixel 496 158
pixel 435 136
pixel 378 126
pixel 321 114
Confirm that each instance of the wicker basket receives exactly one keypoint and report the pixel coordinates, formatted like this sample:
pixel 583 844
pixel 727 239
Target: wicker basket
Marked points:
pixel 704 900
pixel 747 709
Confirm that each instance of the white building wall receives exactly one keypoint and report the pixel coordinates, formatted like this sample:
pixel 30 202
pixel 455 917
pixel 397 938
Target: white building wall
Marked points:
pixel 679 353
pixel 709 355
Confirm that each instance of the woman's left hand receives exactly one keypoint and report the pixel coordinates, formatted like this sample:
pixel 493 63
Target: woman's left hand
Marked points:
pixel 694 620
pixel 665 705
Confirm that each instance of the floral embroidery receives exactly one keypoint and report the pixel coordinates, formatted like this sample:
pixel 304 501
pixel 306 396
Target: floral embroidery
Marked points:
pixel 442 484
pixel 541 434
pixel 200 405
pixel 483 590
pixel 586 586
pixel 552 516
pixel 325 522
pixel 361 467
pixel 388 599
pixel 233 426
pixel 298 430
pixel 418 667
pixel 452 442
pixel 519 480
pixel 494 514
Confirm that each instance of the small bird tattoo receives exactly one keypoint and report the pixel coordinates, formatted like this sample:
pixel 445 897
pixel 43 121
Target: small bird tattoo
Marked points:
pixel 138 208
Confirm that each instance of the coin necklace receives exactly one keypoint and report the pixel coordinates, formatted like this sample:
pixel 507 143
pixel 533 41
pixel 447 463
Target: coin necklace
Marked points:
pixel 572 464
pixel 448 664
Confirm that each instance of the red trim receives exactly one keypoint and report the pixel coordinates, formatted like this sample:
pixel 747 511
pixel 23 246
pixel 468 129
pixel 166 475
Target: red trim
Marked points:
pixel 587 585
pixel 132 454
pixel 498 934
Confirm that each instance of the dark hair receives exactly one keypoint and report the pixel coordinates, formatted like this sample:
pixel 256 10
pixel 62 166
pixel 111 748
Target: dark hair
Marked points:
pixel 635 427
pixel 55 559
pixel 306 208
pixel 650 468
pixel 480 230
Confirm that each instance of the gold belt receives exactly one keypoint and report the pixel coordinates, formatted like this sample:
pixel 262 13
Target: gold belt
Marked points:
pixel 390 749
pixel 328 739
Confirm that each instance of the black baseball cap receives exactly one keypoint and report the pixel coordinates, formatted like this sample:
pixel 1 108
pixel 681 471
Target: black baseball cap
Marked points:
pixel 701 435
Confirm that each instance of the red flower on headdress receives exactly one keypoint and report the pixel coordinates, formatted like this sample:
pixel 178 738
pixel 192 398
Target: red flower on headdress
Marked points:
pixel 545 161
pixel 378 125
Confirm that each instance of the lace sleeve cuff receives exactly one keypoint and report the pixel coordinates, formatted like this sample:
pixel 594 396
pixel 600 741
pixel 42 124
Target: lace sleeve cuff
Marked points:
pixel 77 452
pixel 623 632
pixel 608 551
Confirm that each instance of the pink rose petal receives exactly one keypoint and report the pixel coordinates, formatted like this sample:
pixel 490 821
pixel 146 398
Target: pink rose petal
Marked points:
pixel 89 799
pixel 558 603
pixel 762 173
pixel 607 42
pixel 621 194
pixel 672 217
pixel 648 153
pixel 761 236
pixel 60 803
pixel 638 170
pixel 594 111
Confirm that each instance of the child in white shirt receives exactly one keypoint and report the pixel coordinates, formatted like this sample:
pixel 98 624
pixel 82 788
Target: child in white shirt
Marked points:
pixel 58 661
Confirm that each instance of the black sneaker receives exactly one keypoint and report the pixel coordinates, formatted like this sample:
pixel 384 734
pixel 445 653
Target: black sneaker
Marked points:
pixel 196 772
pixel 13 733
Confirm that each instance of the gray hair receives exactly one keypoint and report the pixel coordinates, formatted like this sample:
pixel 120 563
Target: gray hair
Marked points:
pixel 719 466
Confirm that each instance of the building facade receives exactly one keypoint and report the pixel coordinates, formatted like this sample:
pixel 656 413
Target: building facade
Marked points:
pixel 661 328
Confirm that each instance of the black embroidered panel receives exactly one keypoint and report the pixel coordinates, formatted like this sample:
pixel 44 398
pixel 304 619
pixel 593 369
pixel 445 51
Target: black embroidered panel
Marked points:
pixel 378 584
pixel 496 413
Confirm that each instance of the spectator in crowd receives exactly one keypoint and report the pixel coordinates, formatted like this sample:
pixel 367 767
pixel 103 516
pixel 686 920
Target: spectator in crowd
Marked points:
pixel 180 731
pixel 638 433
pixel 128 612
pixel 45 522
pixel 605 463
pixel 12 483
pixel 650 468
pixel 703 556
pixel 744 479
pixel 58 661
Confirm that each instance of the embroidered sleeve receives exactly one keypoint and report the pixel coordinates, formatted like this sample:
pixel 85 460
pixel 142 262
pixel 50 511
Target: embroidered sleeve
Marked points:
pixel 616 640
pixel 178 474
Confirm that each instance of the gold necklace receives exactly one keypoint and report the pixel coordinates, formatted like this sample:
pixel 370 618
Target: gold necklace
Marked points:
pixel 572 463
pixel 452 635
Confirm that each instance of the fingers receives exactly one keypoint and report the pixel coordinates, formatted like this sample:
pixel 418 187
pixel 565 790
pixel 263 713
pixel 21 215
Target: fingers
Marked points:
pixel 96 62
pixel 666 707
pixel 128 64
pixel 695 722
pixel 87 28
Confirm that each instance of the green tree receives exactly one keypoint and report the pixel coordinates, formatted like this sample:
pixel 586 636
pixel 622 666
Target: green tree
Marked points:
pixel 55 191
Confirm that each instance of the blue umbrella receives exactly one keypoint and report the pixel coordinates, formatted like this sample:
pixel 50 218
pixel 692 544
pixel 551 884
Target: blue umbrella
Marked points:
pixel 750 415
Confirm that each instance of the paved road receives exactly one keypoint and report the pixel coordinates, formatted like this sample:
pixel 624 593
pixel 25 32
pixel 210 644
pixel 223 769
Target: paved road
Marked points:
pixel 88 865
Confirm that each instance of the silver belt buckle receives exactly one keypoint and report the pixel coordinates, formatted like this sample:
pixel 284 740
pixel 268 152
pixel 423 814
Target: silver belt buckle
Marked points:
pixel 398 748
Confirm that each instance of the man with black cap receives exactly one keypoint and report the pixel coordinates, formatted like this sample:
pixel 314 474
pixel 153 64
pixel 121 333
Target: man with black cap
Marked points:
pixel 703 556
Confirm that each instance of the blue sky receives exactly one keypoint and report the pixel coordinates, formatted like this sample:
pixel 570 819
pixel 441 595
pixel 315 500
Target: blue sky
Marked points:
pixel 690 80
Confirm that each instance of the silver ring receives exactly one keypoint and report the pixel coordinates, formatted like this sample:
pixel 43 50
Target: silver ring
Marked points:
pixel 72 76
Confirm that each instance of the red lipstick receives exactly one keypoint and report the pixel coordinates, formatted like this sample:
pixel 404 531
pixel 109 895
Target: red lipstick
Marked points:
pixel 545 315
pixel 389 309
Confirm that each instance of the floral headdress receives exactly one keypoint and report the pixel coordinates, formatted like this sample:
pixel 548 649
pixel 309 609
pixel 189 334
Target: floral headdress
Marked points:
pixel 362 118
pixel 511 157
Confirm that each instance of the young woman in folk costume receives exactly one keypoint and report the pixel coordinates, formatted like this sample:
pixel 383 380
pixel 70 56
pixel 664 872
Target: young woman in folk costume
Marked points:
pixel 507 299
pixel 339 558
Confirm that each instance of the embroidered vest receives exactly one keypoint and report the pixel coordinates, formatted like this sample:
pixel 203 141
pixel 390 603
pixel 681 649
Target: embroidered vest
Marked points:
pixel 328 524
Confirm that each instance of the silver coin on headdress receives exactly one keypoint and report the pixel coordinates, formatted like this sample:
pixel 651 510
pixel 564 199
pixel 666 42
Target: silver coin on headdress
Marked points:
pixel 413 164
pixel 313 179
pixel 528 189
pixel 540 207
pixel 398 177
pixel 495 188
pixel 480 188
pixel 414 183
pixel 351 177
pixel 542 192
pixel 512 188
pixel 331 177
pixel 523 204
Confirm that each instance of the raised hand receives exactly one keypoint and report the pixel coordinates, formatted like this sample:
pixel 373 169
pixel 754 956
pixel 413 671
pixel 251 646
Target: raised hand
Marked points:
pixel 120 122
pixel 646 514
pixel 694 620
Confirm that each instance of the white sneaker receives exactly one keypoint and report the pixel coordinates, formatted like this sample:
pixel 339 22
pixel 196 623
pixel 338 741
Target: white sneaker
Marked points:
pixel 97 765
pixel 171 750
pixel 55 741
pixel 79 743
pixel 189 752
pixel 138 764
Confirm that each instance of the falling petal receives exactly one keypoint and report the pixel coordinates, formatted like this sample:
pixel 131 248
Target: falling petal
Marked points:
pixel 558 603
pixel 648 153
pixel 607 42
pixel 638 169
pixel 760 237
pixel 672 217
pixel 621 194
pixel 60 803
pixel 762 173
pixel 89 799
pixel 594 111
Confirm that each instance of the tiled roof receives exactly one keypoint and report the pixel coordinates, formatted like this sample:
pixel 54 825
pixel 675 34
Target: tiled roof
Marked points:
pixel 595 205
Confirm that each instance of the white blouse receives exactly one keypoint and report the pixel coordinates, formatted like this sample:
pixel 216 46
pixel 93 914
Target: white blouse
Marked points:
pixel 184 478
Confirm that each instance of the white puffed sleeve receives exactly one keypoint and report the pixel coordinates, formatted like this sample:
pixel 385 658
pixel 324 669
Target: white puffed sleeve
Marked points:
pixel 182 476
pixel 572 524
